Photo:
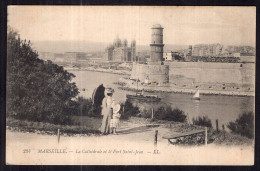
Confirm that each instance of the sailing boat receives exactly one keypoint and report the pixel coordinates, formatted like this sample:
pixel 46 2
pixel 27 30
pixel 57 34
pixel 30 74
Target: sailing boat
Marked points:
pixel 196 95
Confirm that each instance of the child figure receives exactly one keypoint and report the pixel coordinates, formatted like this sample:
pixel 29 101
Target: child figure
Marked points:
pixel 115 118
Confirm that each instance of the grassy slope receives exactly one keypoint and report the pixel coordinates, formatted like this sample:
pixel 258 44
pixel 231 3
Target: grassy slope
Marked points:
pixel 90 126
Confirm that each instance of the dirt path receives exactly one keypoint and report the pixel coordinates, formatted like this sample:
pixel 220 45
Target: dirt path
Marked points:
pixel 132 145
pixel 134 129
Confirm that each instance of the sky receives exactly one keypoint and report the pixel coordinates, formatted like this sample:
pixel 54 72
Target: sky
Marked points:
pixel 182 25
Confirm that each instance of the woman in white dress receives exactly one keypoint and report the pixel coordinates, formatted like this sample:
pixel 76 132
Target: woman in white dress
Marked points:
pixel 107 110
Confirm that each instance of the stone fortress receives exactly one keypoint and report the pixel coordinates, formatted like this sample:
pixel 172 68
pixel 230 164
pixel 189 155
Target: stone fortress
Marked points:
pixel 186 77
pixel 154 71
pixel 120 52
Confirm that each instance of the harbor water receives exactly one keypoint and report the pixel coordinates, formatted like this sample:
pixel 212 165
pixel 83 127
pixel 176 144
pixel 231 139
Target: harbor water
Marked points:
pixel 223 108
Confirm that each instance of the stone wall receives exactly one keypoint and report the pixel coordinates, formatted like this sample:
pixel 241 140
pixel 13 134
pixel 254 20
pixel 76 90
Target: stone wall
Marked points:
pixel 154 73
pixel 208 72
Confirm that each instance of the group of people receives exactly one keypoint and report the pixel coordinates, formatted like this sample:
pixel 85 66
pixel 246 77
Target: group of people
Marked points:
pixel 110 113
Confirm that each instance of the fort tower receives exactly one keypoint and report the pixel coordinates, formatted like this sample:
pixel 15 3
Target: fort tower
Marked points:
pixel 154 72
pixel 157 43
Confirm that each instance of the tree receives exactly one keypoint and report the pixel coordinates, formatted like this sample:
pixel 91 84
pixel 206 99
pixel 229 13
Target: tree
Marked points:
pixel 36 90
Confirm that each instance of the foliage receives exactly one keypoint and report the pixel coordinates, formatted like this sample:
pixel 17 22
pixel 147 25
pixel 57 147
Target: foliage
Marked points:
pixel 146 113
pixel 86 108
pixel 179 58
pixel 36 90
pixel 127 110
pixel 202 121
pixel 243 125
pixel 167 113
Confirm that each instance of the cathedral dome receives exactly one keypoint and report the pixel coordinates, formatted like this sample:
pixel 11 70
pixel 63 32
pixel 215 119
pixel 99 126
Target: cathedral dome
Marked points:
pixel 117 42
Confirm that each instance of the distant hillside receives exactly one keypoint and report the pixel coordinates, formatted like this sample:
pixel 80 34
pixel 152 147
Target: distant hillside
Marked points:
pixel 86 46
pixel 68 46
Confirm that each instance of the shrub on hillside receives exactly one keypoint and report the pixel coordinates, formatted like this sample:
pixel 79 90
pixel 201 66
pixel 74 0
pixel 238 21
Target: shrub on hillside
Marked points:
pixel 36 90
pixel 83 105
pixel 202 121
pixel 127 110
pixel 146 113
pixel 86 108
pixel 167 113
pixel 243 125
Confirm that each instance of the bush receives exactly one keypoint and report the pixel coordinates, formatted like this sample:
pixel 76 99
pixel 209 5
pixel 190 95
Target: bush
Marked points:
pixel 167 113
pixel 86 108
pixel 36 90
pixel 129 110
pixel 243 125
pixel 146 113
pixel 202 121
pixel 83 106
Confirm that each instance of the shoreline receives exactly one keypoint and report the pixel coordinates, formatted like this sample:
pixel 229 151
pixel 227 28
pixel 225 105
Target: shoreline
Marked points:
pixel 118 72
pixel 125 85
pixel 166 88
pixel 181 91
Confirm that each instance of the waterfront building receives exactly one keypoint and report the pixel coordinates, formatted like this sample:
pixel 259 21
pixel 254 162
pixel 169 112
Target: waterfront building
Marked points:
pixel 167 56
pixel 75 56
pixel 244 50
pixel 206 50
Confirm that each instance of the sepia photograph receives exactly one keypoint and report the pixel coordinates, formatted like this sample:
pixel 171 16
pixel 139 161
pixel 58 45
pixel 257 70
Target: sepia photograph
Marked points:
pixel 130 85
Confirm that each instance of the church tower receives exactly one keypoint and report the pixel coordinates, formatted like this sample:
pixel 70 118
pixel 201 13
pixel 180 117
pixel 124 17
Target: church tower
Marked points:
pixel 157 43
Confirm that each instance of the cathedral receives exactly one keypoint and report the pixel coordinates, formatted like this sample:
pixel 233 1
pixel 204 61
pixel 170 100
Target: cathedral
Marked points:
pixel 120 52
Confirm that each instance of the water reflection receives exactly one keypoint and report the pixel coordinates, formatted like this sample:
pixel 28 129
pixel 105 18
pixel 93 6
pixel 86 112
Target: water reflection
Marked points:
pixel 196 105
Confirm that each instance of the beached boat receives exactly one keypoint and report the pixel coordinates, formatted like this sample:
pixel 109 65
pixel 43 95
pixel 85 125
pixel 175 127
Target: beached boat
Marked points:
pixel 196 95
pixel 139 96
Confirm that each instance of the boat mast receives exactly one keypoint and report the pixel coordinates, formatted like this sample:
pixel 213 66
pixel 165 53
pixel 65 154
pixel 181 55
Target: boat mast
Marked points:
pixel 137 84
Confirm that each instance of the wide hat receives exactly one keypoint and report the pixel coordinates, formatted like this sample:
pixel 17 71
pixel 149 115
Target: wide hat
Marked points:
pixel 109 90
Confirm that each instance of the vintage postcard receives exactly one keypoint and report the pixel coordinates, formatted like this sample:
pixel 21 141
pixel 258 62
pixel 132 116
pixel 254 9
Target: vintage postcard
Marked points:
pixel 130 85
